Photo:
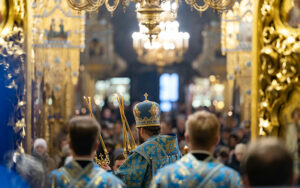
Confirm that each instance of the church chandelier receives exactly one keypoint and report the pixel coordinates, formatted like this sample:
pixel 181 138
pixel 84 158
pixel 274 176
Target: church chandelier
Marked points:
pixel 168 46
pixel 149 10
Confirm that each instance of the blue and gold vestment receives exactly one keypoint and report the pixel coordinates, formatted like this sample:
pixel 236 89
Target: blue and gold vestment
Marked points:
pixel 189 172
pixel 73 175
pixel 144 161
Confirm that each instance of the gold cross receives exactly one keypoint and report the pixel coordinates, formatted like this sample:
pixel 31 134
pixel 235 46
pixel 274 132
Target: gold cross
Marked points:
pixel 146 96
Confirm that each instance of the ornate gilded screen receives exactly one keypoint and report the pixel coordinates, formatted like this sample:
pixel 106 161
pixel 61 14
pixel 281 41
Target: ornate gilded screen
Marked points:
pixel 276 71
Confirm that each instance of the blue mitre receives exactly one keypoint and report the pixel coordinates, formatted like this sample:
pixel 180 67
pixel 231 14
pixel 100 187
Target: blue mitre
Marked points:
pixel 146 113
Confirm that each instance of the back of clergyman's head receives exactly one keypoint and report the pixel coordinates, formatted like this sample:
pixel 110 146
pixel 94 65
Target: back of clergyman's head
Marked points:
pixel 267 162
pixel 202 129
pixel 83 134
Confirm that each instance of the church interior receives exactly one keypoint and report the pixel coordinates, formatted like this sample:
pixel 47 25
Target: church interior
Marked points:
pixel 237 59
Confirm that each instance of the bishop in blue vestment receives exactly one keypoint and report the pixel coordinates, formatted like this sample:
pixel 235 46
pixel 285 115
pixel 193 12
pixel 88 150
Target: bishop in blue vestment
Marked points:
pixel 154 153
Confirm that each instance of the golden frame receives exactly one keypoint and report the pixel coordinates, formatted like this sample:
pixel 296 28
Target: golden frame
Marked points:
pixel 7 8
pixel 276 66
pixel 285 8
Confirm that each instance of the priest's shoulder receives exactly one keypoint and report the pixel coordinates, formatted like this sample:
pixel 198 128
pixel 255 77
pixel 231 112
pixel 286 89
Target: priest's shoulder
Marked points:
pixel 148 148
pixel 109 178
pixel 228 170
pixel 174 169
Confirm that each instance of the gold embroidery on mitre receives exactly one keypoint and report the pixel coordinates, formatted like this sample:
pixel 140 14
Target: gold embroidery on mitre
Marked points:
pixel 137 113
pixel 147 121
pixel 154 111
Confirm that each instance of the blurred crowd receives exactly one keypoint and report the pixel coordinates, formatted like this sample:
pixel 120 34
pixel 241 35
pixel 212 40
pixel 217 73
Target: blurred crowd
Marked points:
pixel 234 135
pixel 232 149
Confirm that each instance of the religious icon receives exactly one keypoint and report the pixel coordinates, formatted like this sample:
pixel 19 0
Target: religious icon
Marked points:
pixel 293 17
pixel 52 34
pixel 61 28
pixel 52 29
pixel 95 48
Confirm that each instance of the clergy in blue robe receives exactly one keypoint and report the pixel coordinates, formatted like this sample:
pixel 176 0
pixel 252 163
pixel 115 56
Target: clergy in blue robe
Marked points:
pixel 155 152
pixel 192 172
pixel 82 171
pixel 198 168
pixel 74 175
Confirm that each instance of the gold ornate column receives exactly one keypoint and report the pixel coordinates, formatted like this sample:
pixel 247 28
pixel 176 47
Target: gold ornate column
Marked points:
pixel 236 44
pixel 239 82
pixel 276 71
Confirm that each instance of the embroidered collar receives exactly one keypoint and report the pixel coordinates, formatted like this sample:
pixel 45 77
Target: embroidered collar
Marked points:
pixel 210 157
pixel 83 159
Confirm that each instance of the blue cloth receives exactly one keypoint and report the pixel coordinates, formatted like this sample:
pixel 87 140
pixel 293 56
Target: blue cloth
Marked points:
pixel 189 172
pixel 11 179
pixel 157 152
pixel 73 175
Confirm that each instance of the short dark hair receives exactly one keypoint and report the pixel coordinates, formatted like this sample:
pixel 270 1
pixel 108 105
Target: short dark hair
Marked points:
pixel 151 131
pixel 267 162
pixel 83 134
pixel 224 151
pixel 234 136
pixel 119 157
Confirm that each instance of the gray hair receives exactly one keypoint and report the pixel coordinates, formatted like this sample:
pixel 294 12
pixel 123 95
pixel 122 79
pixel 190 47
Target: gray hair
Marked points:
pixel 31 170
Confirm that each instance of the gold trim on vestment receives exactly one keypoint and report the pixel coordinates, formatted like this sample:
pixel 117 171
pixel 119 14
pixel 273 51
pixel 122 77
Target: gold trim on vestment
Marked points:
pixel 148 125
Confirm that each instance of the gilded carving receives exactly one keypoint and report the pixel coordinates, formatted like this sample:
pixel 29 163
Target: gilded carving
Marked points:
pixel 278 64
pixel 236 38
pixel 12 63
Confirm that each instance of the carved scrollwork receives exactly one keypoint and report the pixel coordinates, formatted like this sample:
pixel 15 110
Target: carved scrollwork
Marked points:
pixel 12 62
pixel 279 59
pixel 12 67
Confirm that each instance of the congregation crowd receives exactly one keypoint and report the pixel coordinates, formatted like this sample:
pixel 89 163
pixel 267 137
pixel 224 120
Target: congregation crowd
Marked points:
pixel 203 148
